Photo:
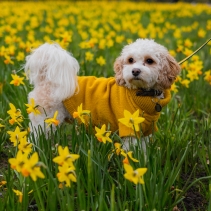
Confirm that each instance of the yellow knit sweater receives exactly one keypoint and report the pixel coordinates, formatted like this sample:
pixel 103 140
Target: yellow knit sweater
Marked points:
pixel 107 102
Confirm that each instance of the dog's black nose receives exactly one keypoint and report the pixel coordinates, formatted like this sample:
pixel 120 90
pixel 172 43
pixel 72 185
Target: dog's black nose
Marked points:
pixel 136 71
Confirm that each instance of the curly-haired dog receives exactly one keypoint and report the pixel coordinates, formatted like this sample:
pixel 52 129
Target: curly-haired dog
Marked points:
pixel 144 73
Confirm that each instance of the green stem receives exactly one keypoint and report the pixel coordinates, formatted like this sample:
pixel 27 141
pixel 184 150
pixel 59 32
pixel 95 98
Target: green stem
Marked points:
pixel 39 196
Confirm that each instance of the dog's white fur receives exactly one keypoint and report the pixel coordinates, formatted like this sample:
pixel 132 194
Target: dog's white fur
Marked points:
pixel 53 72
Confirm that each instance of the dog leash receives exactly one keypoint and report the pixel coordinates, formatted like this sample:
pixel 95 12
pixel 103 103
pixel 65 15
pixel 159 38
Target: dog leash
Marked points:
pixel 188 57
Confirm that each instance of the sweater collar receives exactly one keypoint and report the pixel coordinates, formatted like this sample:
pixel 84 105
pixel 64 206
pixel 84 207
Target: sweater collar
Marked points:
pixel 148 92
pixel 148 103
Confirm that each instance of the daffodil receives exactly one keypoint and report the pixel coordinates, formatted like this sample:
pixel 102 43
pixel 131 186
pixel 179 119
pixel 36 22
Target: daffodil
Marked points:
pixel 53 120
pixel 118 150
pixel 13 110
pixel 25 146
pixel 103 135
pixel 66 174
pixel 65 156
pixel 192 75
pixel 80 113
pixel 15 114
pixel 16 136
pixel 18 162
pixel 188 43
pixel 32 108
pixel 120 38
pixel 14 120
pixel 19 194
pixel 207 76
pixel 135 176
pixel 31 168
pixel 66 37
pixel 201 33
pixel 187 52
pixel 128 155
pixel 174 88
pixel 2 183
pixel 131 120
pixel 89 56
pixel 8 60
pixel 17 80
pixel 20 56
pixel 101 61
pixel 185 83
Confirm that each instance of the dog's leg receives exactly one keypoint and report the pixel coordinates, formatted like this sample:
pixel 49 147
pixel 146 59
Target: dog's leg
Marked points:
pixel 132 141
pixel 47 107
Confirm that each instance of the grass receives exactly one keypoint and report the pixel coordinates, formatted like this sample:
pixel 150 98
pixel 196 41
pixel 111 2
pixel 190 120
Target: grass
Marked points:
pixel 177 157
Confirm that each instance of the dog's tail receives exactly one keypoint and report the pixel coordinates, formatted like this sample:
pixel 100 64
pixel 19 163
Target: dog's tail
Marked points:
pixel 49 66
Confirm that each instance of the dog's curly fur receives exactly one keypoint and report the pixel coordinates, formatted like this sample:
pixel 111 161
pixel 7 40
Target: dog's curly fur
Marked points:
pixel 53 72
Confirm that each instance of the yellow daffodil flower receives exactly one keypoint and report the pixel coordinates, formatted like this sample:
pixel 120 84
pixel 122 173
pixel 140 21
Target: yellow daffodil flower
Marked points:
pixel 2 183
pixel 65 156
pixel 192 75
pixel 16 136
pixel 201 33
pixel 18 193
pixel 131 120
pixel 31 168
pixel 135 176
pixel 207 76
pixel 20 56
pixel 13 110
pixel 14 120
pixel 118 150
pixel 8 60
pixel 81 114
pixel 174 88
pixel 17 80
pixel 25 146
pixel 66 174
pixel 188 43
pixel 101 61
pixel 32 108
pixel 187 52
pixel 18 162
pixel 128 155
pixel 15 114
pixel 53 120
pixel 103 135
pixel 185 83
pixel 89 56
pixel 67 36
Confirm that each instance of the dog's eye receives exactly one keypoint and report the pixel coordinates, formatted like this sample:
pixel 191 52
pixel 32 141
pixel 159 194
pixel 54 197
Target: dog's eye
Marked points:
pixel 171 79
pixel 130 60
pixel 149 61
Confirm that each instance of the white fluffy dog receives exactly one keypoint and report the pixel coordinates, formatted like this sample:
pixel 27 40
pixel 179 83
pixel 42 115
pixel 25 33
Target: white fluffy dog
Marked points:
pixel 144 68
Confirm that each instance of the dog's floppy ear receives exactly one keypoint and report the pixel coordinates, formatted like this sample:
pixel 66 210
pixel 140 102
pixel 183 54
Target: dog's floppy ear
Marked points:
pixel 169 72
pixel 118 67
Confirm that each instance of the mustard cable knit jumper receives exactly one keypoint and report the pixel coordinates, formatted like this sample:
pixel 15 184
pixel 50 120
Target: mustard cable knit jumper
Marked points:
pixel 107 102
